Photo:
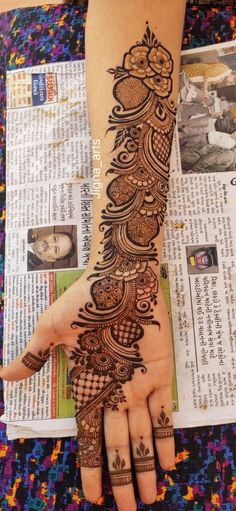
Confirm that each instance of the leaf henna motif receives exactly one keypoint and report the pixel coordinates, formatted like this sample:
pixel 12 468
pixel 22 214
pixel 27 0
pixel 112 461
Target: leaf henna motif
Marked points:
pixel 124 286
pixel 142 461
pixel 36 362
pixel 164 430
pixel 120 475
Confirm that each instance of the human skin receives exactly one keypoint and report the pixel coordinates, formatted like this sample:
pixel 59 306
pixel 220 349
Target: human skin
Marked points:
pixel 113 323
pixel 7 5
pixel 53 246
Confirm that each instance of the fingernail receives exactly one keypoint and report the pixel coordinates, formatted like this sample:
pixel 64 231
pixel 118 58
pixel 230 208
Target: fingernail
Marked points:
pixel 173 467
pixel 99 502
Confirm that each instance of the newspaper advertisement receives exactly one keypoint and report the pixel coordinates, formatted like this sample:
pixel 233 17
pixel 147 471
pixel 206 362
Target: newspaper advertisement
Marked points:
pixel 49 203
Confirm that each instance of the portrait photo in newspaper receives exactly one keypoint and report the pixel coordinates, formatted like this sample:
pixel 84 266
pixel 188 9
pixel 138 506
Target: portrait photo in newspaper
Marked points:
pixel 51 248
pixel 207 111
pixel 49 226
pixel 202 259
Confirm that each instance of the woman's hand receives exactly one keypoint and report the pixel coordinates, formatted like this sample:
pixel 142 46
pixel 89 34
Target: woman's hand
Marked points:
pixel 120 383
pixel 113 323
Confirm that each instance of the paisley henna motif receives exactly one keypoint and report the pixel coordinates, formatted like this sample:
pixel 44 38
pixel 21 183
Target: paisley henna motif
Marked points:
pixel 124 287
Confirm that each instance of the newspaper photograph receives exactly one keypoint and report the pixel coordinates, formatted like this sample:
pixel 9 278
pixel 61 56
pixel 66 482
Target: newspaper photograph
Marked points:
pixel 48 231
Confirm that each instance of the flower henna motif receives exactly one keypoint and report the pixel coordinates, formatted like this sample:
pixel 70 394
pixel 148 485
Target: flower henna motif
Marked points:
pixel 143 62
pixel 90 342
pixel 160 61
pixel 161 86
pixel 137 62
pixel 124 286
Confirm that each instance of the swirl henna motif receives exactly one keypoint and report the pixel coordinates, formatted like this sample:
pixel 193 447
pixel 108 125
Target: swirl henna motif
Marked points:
pixel 124 287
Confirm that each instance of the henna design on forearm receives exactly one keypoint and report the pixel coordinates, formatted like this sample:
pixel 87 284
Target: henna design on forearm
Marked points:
pixel 36 362
pixel 124 286
pixel 120 476
pixel 142 461
pixel 164 430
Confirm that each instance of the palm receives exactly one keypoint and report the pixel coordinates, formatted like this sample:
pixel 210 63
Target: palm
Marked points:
pixel 154 348
pixel 114 376
pixel 113 328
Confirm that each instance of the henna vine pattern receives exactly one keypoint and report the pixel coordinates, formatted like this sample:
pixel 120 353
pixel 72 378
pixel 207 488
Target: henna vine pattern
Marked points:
pixel 124 288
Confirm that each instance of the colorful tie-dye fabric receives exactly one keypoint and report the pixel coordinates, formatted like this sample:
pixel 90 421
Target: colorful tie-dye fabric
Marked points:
pixel 42 474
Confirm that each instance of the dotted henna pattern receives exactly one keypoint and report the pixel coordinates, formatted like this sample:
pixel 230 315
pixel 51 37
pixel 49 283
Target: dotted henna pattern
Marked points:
pixel 124 287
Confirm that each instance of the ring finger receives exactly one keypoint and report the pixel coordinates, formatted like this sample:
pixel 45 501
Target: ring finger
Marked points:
pixel 160 406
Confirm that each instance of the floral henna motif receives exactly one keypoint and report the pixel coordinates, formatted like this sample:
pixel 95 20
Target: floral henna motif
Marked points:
pixel 164 430
pixel 124 286
pixel 120 476
pixel 36 362
pixel 142 461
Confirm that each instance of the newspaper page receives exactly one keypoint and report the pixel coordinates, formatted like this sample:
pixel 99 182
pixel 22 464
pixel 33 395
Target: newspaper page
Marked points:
pixel 49 199
pixel 49 196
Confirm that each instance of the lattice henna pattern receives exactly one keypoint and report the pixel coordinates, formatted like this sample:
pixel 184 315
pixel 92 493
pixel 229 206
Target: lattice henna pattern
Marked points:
pixel 124 286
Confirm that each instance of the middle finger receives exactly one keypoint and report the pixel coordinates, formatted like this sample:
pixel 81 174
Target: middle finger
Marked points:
pixel 116 431
pixel 140 427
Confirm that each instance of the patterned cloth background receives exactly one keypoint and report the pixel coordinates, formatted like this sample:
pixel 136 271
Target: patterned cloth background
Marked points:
pixel 42 474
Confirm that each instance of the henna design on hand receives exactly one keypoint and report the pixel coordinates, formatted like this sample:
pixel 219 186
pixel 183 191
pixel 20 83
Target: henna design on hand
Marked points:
pixel 36 362
pixel 124 286
pixel 165 430
pixel 143 462
pixel 120 476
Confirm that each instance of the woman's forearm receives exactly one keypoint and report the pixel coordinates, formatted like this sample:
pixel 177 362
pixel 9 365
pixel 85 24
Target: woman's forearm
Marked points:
pixel 132 57
pixel 132 94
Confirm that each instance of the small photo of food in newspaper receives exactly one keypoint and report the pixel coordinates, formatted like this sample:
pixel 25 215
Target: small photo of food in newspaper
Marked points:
pixel 207 111
pixel 202 259
pixel 52 248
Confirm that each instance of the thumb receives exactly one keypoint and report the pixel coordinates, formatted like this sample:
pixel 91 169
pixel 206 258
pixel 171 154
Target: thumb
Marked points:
pixel 34 356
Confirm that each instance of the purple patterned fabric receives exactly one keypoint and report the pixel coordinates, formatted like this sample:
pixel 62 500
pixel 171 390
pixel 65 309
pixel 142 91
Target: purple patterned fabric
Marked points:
pixel 42 474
